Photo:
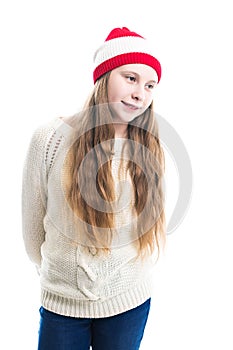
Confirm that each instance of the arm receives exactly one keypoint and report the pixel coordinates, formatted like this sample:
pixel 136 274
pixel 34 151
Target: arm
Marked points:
pixel 34 197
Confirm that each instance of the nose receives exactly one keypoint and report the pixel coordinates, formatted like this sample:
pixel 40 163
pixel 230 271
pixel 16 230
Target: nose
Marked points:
pixel 138 93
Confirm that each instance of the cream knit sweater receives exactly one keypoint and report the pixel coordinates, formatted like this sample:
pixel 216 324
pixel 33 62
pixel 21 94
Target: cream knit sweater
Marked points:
pixel 75 280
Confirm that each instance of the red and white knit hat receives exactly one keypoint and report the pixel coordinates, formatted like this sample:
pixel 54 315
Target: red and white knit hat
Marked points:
pixel 123 47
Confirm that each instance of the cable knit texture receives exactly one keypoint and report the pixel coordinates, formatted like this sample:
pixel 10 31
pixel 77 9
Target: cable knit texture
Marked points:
pixel 77 280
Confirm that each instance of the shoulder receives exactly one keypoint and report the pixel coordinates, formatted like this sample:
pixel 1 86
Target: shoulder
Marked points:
pixel 53 138
pixel 50 132
pixel 45 141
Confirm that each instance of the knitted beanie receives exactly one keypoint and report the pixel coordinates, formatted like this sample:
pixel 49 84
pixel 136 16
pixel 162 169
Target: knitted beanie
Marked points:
pixel 121 47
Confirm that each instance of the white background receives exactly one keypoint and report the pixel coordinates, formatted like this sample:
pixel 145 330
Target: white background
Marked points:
pixel 46 71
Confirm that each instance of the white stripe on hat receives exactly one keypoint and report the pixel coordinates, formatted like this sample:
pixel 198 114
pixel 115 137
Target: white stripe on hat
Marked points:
pixel 119 46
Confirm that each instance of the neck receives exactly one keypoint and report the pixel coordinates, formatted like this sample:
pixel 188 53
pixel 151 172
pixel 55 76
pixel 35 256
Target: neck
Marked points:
pixel 120 130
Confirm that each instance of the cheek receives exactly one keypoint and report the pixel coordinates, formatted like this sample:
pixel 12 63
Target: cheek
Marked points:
pixel 111 92
pixel 116 89
pixel 114 94
pixel 111 96
pixel 148 101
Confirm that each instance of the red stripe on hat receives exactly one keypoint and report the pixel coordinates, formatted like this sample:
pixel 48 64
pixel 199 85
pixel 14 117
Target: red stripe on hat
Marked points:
pixel 127 58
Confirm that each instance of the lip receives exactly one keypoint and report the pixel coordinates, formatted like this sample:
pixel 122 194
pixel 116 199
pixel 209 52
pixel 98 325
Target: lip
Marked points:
pixel 131 106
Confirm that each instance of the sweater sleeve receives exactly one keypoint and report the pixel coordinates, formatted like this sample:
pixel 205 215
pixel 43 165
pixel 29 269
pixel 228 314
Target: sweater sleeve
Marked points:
pixel 34 196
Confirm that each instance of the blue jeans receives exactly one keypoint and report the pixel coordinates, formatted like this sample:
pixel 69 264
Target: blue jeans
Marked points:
pixel 121 332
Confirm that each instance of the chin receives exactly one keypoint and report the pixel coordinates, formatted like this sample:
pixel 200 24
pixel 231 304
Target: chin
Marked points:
pixel 128 117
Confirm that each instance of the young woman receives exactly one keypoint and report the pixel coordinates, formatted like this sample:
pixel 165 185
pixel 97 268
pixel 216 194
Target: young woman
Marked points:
pixel 92 205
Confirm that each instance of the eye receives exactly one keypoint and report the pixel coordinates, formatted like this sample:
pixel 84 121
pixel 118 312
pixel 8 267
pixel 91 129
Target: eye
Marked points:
pixel 131 78
pixel 150 86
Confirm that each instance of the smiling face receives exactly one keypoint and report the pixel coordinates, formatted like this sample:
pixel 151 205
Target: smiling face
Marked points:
pixel 130 91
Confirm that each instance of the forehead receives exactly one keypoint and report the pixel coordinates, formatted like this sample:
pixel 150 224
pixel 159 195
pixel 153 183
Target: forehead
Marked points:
pixel 144 71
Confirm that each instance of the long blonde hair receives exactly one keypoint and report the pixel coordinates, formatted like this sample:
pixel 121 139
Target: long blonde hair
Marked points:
pixel 146 167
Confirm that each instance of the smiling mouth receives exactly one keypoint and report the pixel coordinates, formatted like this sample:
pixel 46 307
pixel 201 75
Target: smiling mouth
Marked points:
pixel 130 106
